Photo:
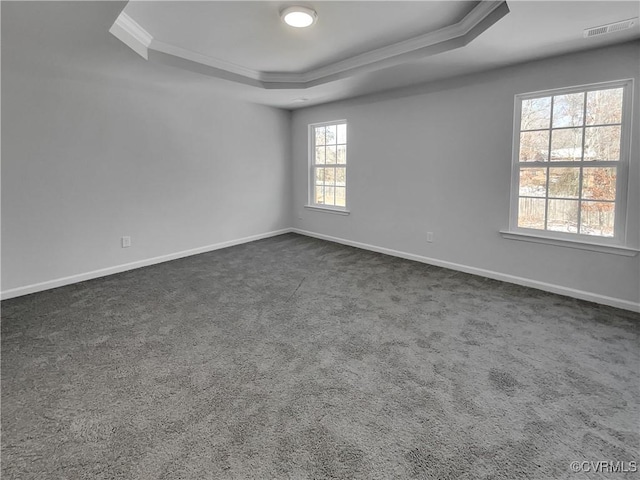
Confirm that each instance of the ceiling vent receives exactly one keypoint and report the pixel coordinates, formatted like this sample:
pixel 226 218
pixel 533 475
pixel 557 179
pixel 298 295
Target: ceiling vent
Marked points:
pixel 610 28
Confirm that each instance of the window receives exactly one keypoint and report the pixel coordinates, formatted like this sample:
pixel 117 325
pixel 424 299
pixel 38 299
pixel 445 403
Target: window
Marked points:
pixel 328 165
pixel 570 164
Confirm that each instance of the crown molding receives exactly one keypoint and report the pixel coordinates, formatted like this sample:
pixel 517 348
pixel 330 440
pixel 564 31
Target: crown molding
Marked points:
pixel 129 32
pixel 484 15
pixel 169 49
pixel 382 55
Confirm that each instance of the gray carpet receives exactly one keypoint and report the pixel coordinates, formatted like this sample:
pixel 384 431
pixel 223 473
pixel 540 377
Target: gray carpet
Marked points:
pixel 297 358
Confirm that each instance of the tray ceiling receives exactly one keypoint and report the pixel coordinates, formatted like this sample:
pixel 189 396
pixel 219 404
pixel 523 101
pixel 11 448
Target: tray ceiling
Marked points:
pixel 246 42
pixel 73 39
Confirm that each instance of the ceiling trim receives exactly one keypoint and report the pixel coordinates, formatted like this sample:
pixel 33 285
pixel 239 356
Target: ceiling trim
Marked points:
pixel 429 39
pixel 128 31
pixel 484 15
pixel 169 49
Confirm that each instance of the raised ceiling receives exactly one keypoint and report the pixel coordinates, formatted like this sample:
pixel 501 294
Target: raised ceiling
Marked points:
pixel 358 47
pixel 247 43
pixel 251 34
pixel 73 39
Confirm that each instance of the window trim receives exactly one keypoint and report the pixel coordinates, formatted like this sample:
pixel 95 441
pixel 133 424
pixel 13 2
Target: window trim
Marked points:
pixel 310 171
pixel 329 209
pixel 615 244
pixel 563 242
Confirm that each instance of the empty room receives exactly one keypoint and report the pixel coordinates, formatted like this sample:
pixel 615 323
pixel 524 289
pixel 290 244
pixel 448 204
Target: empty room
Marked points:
pixel 320 240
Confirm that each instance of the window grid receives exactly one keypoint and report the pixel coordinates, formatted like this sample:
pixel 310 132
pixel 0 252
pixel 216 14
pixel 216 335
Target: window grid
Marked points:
pixel 581 171
pixel 546 190
pixel 328 164
pixel 584 203
pixel 569 128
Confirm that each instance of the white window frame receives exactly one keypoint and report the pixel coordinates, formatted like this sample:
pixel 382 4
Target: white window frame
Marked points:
pixel 311 171
pixel 615 244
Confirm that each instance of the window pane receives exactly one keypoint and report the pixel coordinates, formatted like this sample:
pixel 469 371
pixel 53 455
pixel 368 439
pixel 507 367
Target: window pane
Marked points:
pixel 330 176
pixel 533 182
pixel 331 135
pixel 342 133
pixel 568 110
pixel 341 198
pixel 566 145
pixel 564 182
pixel 331 154
pixel 599 183
pixel 604 106
pixel 329 195
pixel 534 146
pixel 597 218
pixel 562 216
pixel 329 159
pixel 602 143
pixel 536 113
pixel 531 213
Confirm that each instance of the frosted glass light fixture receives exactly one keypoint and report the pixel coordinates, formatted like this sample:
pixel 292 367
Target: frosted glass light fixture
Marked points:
pixel 299 17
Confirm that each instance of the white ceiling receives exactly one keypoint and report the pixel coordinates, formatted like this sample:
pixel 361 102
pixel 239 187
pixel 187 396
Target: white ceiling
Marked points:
pixel 251 34
pixel 246 42
pixel 72 40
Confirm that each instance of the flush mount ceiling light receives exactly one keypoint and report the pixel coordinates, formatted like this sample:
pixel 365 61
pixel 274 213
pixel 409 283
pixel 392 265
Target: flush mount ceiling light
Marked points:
pixel 299 17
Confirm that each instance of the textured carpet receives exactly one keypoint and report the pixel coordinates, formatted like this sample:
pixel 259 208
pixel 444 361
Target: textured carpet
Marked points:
pixel 297 358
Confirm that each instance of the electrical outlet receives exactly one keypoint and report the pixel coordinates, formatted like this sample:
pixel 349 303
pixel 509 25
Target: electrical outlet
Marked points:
pixel 430 237
pixel 126 242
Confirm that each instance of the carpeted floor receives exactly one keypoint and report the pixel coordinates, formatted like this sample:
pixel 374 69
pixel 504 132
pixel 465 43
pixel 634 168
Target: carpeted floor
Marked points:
pixel 297 358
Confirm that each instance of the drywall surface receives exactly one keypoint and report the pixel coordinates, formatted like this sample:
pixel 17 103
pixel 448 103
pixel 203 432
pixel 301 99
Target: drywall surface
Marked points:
pixel 438 159
pixel 89 157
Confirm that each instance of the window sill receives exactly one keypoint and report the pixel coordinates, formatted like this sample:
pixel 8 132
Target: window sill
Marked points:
pixel 334 210
pixel 561 242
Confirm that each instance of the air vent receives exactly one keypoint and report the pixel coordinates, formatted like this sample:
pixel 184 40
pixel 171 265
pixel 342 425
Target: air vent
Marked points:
pixel 610 28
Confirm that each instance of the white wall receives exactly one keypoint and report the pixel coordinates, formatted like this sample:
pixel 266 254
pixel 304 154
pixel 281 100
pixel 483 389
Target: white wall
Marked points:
pixel 87 159
pixel 437 158
pixel 96 146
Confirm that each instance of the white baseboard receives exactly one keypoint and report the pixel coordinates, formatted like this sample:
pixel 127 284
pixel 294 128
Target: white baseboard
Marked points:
pixel 103 272
pixel 547 287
